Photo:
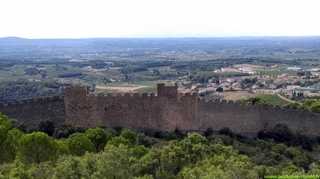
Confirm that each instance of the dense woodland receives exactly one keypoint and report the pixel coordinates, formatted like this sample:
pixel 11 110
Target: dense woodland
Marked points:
pixel 65 152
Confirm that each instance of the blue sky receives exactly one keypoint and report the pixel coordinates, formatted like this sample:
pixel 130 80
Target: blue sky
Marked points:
pixel 158 18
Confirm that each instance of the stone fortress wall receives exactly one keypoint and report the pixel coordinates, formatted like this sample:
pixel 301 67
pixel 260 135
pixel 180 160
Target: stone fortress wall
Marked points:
pixel 169 110
pixel 30 112
pixel 166 111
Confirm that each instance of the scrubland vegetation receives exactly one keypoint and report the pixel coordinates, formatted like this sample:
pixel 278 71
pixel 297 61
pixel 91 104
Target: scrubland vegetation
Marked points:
pixel 309 104
pixel 266 99
pixel 123 153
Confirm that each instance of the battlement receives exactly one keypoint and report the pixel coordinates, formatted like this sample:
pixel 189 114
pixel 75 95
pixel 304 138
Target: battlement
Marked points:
pixel 163 91
pixel 165 110
pixel 170 92
pixel 168 110
pixel 167 91
pixel 76 90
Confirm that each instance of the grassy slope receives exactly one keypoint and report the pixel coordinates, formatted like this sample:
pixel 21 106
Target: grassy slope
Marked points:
pixel 273 100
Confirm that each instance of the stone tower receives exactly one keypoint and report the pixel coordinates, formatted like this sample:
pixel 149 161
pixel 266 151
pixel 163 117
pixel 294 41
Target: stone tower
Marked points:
pixel 167 91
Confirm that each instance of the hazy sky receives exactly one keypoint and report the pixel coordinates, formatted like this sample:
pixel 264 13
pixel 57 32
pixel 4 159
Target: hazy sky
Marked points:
pixel 158 18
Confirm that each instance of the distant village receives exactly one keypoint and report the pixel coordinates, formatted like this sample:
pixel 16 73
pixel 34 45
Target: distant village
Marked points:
pixel 247 80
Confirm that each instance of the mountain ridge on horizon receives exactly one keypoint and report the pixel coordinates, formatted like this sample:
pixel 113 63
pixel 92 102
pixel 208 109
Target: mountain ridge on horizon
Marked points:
pixel 162 37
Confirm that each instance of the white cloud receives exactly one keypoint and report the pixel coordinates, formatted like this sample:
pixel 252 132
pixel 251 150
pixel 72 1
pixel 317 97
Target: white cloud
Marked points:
pixel 122 18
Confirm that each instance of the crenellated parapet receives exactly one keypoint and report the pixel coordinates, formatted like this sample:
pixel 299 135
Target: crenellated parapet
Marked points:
pixel 165 110
pixel 170 92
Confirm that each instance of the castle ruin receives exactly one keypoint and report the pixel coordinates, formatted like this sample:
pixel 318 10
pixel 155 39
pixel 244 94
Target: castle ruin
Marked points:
pixel 167 110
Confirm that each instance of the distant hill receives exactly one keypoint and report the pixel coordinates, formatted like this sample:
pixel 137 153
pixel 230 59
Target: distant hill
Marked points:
pixel 147 48
pixel 15 40
pixel 11 38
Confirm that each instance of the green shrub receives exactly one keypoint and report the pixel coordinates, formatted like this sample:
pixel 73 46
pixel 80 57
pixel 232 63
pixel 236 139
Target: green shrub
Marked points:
pixel 98 137
pixel 37 147
pixel 79 144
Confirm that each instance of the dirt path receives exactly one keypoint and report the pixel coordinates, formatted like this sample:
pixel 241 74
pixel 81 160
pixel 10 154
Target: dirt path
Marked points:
pixel 286 99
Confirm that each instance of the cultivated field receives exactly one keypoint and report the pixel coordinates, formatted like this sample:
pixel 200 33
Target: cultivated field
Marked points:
pixel 237 95
pixel 120 89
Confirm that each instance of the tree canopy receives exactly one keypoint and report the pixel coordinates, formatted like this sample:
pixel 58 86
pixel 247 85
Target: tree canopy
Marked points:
pixel 105 153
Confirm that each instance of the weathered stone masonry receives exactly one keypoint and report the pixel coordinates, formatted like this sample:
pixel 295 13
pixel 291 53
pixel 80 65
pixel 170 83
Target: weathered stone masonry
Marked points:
pixel 165 111
pixel 169 110
pixel 30 112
